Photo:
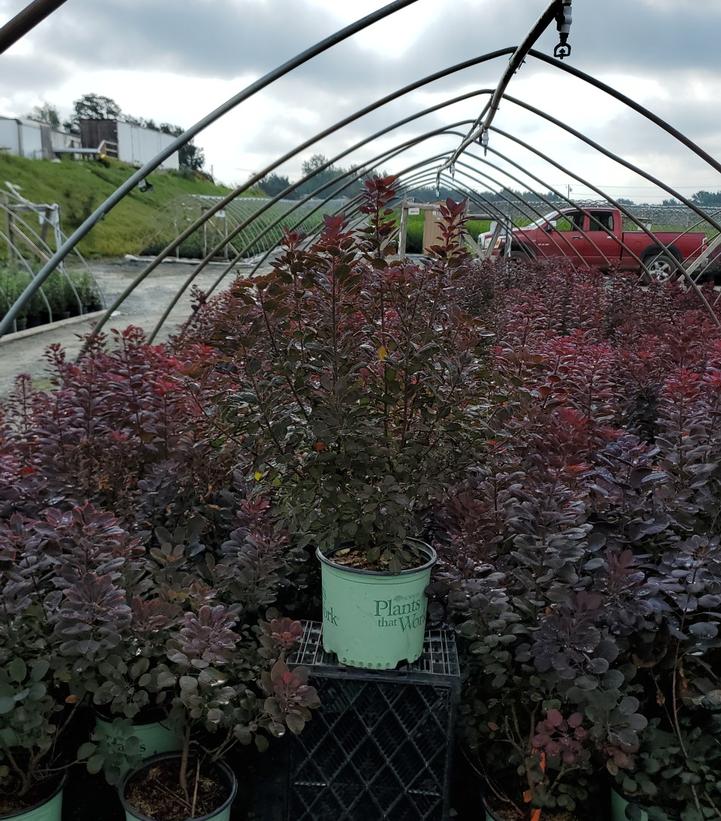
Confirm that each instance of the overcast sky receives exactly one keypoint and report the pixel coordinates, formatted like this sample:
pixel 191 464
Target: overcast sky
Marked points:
pixel 176 61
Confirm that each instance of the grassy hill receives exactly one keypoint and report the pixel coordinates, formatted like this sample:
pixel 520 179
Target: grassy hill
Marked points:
pixel 80 186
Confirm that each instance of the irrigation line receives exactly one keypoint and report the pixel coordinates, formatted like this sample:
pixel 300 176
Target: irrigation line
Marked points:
pixel 189 134
pixel 487 115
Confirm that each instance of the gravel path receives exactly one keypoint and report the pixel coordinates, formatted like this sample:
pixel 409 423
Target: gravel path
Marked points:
pixel 143 307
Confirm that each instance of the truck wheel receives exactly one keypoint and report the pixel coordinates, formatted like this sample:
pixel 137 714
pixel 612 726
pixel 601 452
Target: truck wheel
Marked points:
pixel 662 267
pixel 518 256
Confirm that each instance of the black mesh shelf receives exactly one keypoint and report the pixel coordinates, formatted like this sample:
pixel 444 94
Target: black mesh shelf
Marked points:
pixel 379 747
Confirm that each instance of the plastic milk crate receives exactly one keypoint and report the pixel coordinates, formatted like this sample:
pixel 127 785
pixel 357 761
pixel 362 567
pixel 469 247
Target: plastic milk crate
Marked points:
pixel 379 746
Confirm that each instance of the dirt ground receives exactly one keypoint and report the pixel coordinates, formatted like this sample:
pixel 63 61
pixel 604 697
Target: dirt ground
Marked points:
pixel 143 307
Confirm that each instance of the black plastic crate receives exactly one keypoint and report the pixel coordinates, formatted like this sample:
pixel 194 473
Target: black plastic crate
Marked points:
pixel 380 745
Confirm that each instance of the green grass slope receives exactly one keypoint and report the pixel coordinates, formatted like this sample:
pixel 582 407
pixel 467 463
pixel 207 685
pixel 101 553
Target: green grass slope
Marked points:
pixel 80 186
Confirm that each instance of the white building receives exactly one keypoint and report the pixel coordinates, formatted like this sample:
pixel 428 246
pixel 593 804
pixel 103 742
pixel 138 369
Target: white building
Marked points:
pixel 129 143
pixel 34 140
pixel 132 144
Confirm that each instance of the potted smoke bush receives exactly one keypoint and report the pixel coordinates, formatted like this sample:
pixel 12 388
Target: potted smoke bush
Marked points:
pixel 32 758
pixel 35 714
pixel 674 774
pixel 107 641
pixel 357 373
pixel 221 699
pixel 131 691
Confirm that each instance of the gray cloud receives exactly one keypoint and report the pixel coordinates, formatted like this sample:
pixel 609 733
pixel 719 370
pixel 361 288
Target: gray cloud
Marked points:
pixel 26 73
pixel 230 39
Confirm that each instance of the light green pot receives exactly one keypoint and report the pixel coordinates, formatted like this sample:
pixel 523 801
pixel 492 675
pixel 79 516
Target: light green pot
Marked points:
pixel 49 810
pixel 375 619
pixel 155 737
pixel 221 814
pixel 618 808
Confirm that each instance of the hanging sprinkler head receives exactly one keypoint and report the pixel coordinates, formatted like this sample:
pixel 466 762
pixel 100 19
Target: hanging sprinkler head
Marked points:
pixel 483 140
pixel 564 18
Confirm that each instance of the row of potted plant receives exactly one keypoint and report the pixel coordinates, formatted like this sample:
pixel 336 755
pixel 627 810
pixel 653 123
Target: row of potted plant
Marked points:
pixel 64 295
pixel 550 432
pixel 91 621
pixel 589 591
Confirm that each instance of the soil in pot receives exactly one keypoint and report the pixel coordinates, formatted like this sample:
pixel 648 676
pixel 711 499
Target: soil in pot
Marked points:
pixel 154 791
pixel 36 797
pixel 357 557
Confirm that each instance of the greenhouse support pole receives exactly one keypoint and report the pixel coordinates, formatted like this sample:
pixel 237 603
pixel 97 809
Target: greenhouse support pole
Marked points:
pixel 25 21
pixel 104 208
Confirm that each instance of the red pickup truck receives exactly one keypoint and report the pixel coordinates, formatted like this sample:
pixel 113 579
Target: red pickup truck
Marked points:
pixel 596 236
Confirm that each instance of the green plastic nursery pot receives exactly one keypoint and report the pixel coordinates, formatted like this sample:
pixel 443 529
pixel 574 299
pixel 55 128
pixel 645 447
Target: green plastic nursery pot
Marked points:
pixel 618 808
pixel 155 736
pixel 375 619
pixel 221 814
pixel 49 809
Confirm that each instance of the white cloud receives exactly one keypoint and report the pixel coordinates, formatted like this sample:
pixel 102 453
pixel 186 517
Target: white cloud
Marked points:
pixel 177 61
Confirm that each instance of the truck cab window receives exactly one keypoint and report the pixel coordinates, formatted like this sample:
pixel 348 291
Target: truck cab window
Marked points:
pixel 572 221
pixel 601 221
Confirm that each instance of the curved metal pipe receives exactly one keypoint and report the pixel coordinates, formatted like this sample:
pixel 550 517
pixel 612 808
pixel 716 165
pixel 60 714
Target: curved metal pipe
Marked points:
pixel 187 136
pixel 487 115
pixel 25 21
pixel 356 174
pixel 637 107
